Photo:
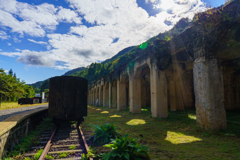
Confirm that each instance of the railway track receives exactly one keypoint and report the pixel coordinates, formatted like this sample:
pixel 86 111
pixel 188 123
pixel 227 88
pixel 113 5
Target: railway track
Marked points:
pixel 63 143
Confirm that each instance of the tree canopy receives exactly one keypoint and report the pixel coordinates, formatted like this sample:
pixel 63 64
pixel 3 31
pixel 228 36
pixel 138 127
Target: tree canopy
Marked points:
pixel 12 88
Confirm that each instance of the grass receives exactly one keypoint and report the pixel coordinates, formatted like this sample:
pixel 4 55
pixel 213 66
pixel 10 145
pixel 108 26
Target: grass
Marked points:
pixel 177 137
pixel 10 105
pixel 62 155
pixel 72 147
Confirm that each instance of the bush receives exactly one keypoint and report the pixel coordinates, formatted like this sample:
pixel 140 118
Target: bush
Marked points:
pixel 126 150
pixel 104 133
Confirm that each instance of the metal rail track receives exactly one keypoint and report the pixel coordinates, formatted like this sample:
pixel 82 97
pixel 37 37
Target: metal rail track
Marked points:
pixel 60 141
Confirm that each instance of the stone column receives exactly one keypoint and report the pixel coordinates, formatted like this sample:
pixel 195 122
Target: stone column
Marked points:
pixel 110 94
pixel 135 93
pixel 104 96
pixel 143 93
pixel 121 96
pixel 209 94
pixel 159 106
pixel 107 95
pixel 114 96
pixel 99 97
pixel 172 97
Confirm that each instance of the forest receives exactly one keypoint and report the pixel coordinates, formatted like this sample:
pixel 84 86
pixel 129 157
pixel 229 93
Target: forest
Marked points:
pixel 12 88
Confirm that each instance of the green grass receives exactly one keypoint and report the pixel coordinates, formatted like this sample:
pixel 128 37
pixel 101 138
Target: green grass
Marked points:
pixel 177 137
pixel 62 155
pixel 72 147
pixel 49 157
pixel 10 105
pixel 38 154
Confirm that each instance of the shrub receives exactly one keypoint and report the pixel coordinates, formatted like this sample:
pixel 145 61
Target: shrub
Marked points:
pixel 126 150
pixel 104 133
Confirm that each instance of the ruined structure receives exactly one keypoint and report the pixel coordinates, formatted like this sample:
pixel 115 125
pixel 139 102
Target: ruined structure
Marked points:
pixel 198 68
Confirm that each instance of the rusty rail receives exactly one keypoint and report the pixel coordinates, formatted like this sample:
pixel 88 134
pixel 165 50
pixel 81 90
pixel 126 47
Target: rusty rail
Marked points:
pixel 47 147
pixel 84 141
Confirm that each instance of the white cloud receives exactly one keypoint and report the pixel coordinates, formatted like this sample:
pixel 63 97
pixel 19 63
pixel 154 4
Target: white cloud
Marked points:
pixel 10 54
pixel 6 71
pixel 36 19
pixel 16 40
pixel 9 44
pixel 82 45
pixel 38 42
pixel 3 35
pixel 0 49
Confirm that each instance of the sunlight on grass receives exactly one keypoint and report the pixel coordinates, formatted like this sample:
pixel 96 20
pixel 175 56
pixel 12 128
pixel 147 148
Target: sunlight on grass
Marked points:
pixel 144 109
pixel 192 116
pixel 98 109
pixel 178 138
pixel 104 112
pixel 10 105
pixel 136 122
pixel 115 115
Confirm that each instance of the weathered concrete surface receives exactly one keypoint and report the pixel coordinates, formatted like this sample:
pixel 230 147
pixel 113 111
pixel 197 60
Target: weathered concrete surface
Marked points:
pixel 158 82
pixel 110 94
pixel 172 96
pixel 121 96
pixel 135 94
pixel 209 94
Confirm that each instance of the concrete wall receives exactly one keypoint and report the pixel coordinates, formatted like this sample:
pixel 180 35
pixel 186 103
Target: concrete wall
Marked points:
pixel 17 127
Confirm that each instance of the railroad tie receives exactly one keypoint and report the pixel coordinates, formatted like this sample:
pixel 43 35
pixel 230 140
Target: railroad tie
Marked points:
pixel 68 151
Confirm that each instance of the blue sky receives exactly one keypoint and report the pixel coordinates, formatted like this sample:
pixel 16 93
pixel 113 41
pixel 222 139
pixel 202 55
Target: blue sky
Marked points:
pixel 41 39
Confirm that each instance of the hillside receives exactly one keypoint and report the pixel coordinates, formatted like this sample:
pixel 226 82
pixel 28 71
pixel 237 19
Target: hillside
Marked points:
pixel 73 71
pixel 96 70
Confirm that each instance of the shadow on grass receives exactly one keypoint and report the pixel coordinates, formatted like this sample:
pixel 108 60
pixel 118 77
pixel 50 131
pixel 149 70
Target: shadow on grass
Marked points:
pixel 177 136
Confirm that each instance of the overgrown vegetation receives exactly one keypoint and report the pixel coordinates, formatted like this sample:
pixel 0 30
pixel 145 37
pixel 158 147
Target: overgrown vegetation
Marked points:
pixel 104 133
pixel 33 138
pixel 177 137
pixel 72 147
pixel 124 149
pixel 12 88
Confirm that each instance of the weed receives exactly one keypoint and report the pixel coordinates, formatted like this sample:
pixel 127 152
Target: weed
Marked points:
pixel 62 155
pixel 38 154
pixel 124 149
pixel 72 147
pixel 105 132
pixel 27 158
pixel 49 157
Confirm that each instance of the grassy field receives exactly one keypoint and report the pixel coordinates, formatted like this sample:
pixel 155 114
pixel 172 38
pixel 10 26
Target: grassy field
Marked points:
pixel 177 137
pixel 10 105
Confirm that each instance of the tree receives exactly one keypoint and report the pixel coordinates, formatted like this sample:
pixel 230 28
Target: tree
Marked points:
pixel 10 72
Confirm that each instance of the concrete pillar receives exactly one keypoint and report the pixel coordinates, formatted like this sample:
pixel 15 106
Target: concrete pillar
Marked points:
pixel 114 96
pixel 43 96
pixel 121 96
pixel 172 97
pixel 101 96
pixel 106 103
pixel 143 93
pixel 159 106
pixel 209 94
pixel 135 93
pixel 110 94
pixel 104 96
